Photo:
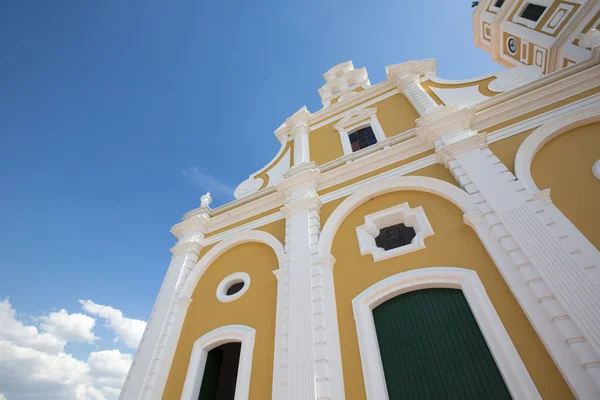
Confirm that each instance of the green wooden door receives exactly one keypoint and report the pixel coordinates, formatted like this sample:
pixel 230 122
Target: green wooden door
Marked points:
pixel 210 378
pixel 431 348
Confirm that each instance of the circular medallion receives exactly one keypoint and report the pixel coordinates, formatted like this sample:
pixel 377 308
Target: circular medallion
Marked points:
pixel 512 45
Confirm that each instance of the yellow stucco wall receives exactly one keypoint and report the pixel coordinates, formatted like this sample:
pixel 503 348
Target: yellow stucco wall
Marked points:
pixel 256 308
pixel 454 244
pixel 506 149
pixel 395 114
pixel 564 165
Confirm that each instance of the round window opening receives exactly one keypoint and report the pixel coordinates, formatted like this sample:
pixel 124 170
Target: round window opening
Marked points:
pixel 232 287
pixel 512 45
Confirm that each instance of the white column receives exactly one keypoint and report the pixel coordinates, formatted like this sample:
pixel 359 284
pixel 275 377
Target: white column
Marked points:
pixel 551 276
pixel 150 359
pixel 301 147
pixel 410 86
pixel 307 356
pixel 302 204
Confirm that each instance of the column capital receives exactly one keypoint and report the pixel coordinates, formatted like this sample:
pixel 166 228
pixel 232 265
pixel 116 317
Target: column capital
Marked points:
pixel 327 262
pixel 192 246
pixel 452 144
pixel 299 178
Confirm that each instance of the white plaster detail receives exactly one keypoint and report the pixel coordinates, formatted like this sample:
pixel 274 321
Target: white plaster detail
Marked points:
pixel 275 174
pixel 509 363
pixel 341 79
pixel 444 189
pixel 234 240
pixel 514 77
pixel 205 200
pixel 355 120
pixel 165 336
pixel 596 169
pixel 462 97
pixel 225 334
pixel 407 78
pixel 525 235
pixel 228 282
pixel 402 213
pixel 536 140
pixel 590 39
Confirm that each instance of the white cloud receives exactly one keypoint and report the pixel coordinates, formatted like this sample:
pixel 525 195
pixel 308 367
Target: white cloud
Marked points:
pixel 70 327
pixel 109 368
pixel 207 182
pixel 33 364
pixel 16 332
pixel 128 329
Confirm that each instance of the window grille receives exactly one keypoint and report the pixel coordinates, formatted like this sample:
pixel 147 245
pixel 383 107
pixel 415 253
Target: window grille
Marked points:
pixel 533 12
pixel 395 236
pixel 362 138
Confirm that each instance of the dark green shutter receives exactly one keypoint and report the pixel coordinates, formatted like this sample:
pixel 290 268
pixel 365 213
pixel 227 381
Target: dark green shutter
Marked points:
pixel 431 348
pixel 210 378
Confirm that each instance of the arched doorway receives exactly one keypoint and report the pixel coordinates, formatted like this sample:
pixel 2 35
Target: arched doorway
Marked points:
pixel 432 348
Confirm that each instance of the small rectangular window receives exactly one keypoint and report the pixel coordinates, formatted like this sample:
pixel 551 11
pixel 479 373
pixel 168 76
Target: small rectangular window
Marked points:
pixel 362 138
pixel 499 3
pixel 533 12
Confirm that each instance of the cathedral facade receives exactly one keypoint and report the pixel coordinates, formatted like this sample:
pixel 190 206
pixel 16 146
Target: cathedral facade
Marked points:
pixel 415 238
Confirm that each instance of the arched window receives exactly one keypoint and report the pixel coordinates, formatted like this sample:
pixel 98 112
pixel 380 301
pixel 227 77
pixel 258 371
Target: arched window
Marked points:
pixel 431 348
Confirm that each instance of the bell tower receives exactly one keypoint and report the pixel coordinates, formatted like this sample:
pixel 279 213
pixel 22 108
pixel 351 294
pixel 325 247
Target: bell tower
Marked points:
pixel 548 34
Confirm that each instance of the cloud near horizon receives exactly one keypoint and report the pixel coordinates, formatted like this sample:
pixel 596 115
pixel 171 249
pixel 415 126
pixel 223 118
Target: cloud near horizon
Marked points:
pixel 34 364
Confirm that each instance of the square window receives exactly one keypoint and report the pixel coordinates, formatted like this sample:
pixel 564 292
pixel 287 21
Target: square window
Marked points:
pixel 499 3
pixel 533 12
pixel 362 138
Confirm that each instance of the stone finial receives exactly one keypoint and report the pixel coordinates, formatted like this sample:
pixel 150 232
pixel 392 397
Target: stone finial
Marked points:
pixel 205 200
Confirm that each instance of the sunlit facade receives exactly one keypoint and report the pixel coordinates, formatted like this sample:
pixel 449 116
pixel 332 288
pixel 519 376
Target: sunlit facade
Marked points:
pixel 414 238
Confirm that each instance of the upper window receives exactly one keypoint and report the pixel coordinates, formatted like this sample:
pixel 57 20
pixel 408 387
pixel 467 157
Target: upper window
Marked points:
pixel 499 3
pixel 533 12
pixel 362 138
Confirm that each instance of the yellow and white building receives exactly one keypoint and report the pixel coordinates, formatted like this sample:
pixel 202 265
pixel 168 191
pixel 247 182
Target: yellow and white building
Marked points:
pixel 415 238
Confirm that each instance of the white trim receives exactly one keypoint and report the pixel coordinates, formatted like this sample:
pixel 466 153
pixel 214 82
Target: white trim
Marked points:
pixel 355 120
pixel 509 363
pixel 225 334
pixel 527 22
pixel 543 135
pixel 157 373
pixel 222 247
pixel 389 92
pixel 402 213
pixel 444 189
pixel 596 169
pixel 226 283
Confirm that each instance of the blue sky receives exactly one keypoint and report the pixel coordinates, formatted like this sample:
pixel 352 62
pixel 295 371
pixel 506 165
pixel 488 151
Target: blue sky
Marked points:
pixel 116 116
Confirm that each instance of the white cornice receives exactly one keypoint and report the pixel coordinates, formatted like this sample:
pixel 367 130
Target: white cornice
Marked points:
pixel 568 32
pixel 546 90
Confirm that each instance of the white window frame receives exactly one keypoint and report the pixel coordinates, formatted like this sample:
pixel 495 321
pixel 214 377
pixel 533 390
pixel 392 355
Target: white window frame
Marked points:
pixel 226 283
pixel 494 8
pixel 402 213
pixel 507 358
pixel 356 120
pixel 213 339
pixel 528 23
